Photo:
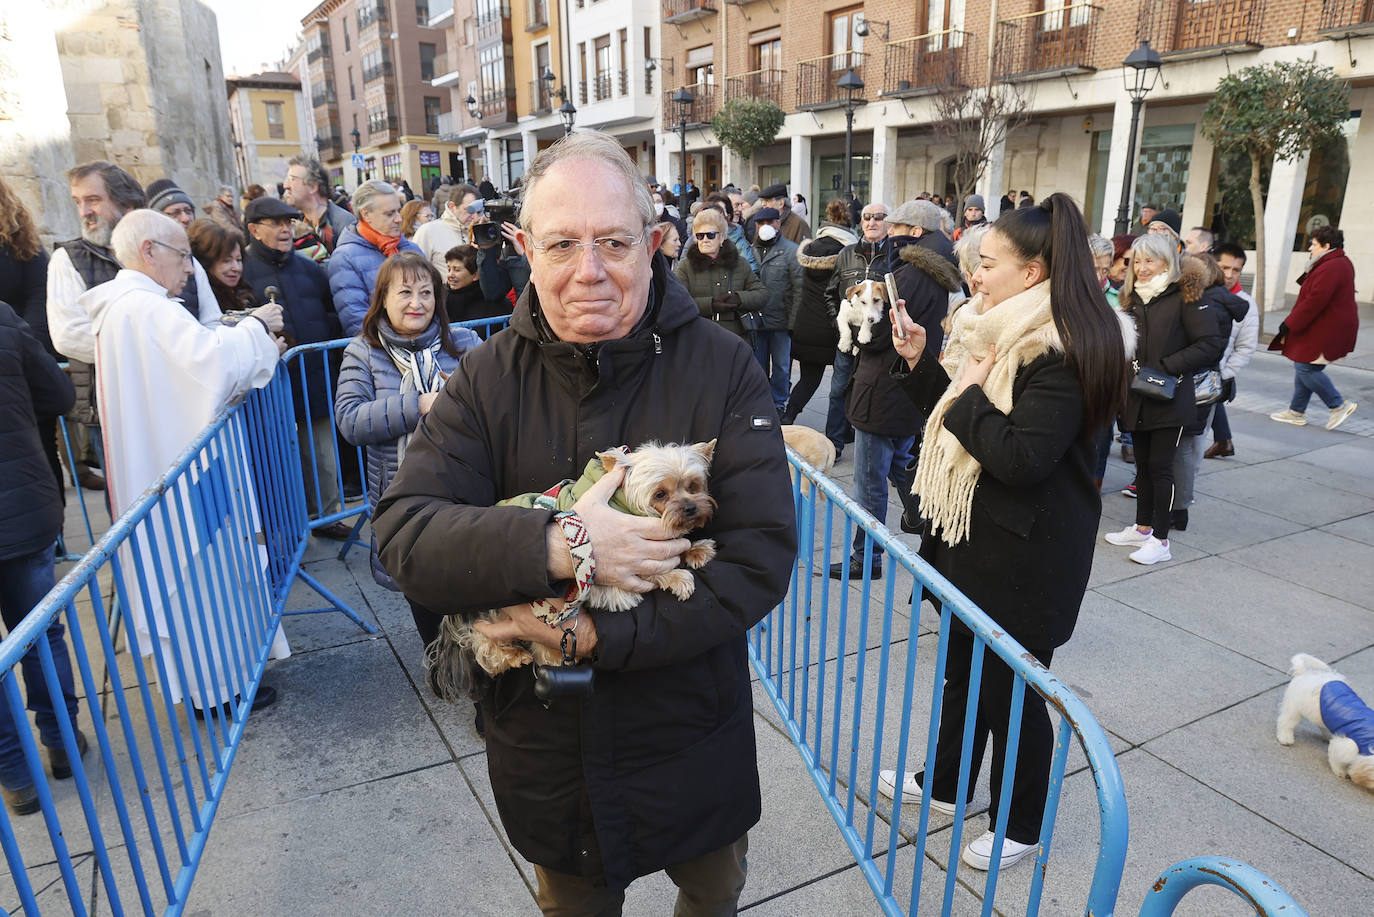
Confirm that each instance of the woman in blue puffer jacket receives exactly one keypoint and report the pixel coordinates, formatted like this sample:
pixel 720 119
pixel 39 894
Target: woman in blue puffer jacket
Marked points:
pixel 362 248
pixel 392 373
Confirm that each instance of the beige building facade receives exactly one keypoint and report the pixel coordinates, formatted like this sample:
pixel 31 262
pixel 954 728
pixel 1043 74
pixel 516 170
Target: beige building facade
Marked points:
pixel 269 124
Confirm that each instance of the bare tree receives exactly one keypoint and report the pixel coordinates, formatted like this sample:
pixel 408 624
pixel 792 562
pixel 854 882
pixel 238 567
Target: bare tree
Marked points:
pixel 976 121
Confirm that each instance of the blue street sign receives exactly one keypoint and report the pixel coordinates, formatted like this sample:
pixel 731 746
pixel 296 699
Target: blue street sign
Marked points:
pixel 357 160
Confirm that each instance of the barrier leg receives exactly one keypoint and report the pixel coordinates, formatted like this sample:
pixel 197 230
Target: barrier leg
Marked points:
pixel 335 603
pixel 353 535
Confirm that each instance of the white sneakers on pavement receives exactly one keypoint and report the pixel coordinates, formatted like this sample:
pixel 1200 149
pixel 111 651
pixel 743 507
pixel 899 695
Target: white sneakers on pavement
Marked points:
pixel 1152 552
pixel 978 853
pixel 1130 536
pixel 1288 415
pixel 911 791
pixel 1340 414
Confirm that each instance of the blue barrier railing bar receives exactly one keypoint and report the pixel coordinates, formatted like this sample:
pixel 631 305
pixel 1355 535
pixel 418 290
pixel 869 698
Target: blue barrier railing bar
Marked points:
pixel 1259 891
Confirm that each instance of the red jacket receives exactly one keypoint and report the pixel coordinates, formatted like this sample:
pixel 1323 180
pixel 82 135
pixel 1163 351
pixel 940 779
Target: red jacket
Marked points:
pixel 1324 320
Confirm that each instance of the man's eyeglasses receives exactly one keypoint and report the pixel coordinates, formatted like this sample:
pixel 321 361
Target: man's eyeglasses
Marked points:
pixel 707 235
pixel 186 256
pixel 612 249
pixel 875 217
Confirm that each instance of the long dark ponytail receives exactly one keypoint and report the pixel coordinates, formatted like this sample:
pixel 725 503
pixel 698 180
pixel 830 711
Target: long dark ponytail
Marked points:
pixel 1056 234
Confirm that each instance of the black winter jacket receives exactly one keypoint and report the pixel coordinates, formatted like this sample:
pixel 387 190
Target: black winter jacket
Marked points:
pixel 658 765
pixel 856 263
pixel 1036 505
pixel 307 312
pixel 24 285
pixel 31 385
pixel 875 403
pixel 780 274
pixel 1177 332
pixel 815 335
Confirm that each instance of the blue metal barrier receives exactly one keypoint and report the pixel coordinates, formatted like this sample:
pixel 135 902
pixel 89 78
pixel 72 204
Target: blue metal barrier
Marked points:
pixel 816 655
pixel 1258 890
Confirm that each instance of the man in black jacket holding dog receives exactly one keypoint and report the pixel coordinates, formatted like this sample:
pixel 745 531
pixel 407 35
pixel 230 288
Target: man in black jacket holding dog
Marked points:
pixel 656 768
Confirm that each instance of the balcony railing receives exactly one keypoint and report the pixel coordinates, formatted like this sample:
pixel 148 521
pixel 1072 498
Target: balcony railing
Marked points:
pixel 1047 43
pixel 370 14
pixel 816 79
pixel 318 53
pixel 445 68
pixel 541 100
pixel 323 96
pixel 330 148
pixel 449 124
pixel 491 23
pixel 376 72
pixel 622 80
pixel 1181 27
pixel 1345 18
pixel 383 125
pixel 680 11
pixel 927 63
pixel 601 86
pixel 699 112
pixel 539 16
pixel 759 84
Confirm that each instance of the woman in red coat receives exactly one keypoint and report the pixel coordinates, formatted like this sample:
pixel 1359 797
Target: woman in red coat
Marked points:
pixel 1321 328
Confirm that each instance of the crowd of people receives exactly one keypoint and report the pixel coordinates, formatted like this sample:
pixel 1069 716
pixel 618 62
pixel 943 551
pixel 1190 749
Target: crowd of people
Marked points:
pixel 987 395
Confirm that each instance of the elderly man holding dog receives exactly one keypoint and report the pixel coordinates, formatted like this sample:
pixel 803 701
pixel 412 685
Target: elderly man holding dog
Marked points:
pixel 656 768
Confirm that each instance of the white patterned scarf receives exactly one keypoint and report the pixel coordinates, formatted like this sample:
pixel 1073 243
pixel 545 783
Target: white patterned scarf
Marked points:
pixel 418 360
pixel 1023 330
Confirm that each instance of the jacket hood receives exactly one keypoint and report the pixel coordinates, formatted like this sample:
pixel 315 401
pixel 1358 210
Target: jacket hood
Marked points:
pixel 933 264
pixel 830 231
pixel 98 299
pixel 729 254
pixel 1222 298
pixel 1192 281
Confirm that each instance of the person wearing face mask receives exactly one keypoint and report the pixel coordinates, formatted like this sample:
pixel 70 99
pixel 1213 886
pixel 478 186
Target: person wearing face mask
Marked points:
pixel 780 273
pixel 668 212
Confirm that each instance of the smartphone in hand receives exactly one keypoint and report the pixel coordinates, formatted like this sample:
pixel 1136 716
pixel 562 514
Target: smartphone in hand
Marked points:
pixel 891 282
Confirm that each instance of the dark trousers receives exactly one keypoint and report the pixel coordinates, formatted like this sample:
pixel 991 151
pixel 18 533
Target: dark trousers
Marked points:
pixel 1221 427
pixel 1031 781
pixel 807 383
pixel 1154 462
pixel 837 428
pixel 24 581
pixel 426 622
pixel 707 886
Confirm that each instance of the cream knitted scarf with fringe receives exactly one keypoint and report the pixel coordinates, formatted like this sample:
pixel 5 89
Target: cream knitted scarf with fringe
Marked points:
pixel 1023 330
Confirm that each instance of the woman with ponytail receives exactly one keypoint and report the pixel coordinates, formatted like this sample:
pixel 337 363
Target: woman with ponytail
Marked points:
pixel 1034 366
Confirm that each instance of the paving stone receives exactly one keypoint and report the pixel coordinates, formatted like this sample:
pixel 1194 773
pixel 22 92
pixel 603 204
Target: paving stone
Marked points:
pixel 1284 495
pixel 1246 610
pixel 1359 528
pixel 1322 562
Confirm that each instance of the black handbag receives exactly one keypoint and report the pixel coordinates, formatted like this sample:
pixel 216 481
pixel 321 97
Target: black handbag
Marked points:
pixel 1154 384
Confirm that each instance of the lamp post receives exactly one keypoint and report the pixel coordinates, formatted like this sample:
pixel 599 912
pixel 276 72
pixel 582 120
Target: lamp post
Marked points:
pixel 684 99
pixel 1140 72
pixel 356 138
pixel 568 112
pixel 851 84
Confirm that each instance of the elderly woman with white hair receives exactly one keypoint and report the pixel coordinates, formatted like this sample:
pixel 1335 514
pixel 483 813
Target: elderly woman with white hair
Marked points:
pixel 362 249
pixel 1176 335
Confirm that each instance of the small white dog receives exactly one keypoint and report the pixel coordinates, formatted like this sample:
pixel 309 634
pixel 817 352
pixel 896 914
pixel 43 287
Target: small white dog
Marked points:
pixel 1322 696
pixel 862 307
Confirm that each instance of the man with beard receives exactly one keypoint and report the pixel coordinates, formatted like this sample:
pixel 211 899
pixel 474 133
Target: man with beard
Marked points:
pixel 323 221
pixel 102 192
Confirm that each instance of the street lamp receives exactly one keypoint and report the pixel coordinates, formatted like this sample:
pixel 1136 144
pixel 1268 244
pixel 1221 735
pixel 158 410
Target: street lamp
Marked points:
pixel 356 138
pixel 1140 72
pixel 567 111
pixel 473 111
pixel 684 99
pixel 851 84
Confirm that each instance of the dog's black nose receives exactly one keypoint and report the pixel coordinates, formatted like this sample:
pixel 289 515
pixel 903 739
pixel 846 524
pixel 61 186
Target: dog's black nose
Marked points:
pixel 689 510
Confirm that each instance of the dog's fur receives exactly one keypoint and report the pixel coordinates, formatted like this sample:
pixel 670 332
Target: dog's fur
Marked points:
pixel 668 481
pixel 812 445
pixel 1302 700
pixel 863 306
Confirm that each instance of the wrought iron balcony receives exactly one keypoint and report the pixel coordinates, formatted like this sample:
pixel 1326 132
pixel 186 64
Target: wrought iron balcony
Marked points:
pixel 385 124
pixel 760 84
pixel 680 11
pixel 319 52
pixel 601 86
pixel 816 79
pixel 330 148
pixel 376 72
pixel 927 63
pixel 370 14
pixel 541 100
pixel 699 112
pixel 1188 28
pixel 1346 18
pixel 323 95
pixel 1047 43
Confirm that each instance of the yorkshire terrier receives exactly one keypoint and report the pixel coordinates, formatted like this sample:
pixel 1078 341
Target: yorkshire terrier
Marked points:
pixel 668 481
pixel 1322 695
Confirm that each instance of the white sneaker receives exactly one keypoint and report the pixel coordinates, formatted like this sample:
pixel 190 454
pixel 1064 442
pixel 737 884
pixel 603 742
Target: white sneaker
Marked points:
pixel 978 854
pixel 911 791
pixel 1129 536
pixel 1339 415
pixel 1152 552
pixel 1288 415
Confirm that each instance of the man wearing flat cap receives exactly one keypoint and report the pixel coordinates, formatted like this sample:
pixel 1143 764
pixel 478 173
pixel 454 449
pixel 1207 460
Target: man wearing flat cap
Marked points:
pixel 276 271
pixel 792 227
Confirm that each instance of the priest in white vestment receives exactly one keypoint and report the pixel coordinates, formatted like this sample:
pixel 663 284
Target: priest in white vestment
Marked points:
pixel 162 378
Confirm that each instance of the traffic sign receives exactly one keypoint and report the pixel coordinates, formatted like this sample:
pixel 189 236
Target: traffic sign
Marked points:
pixel 357 160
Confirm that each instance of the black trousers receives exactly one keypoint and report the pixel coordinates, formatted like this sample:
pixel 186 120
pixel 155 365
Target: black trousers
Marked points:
pixel 1154 462
pixel 805 387
pixel 1031 780
pixel 426 622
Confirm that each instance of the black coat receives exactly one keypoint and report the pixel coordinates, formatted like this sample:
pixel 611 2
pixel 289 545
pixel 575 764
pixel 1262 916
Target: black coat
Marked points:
pixel 876 403
pixel 31 385
pixel 1227 308
pixel 307 313
pixel 658 765
pixel 1036 505
pixel 24 285
pixel 815 335
pixel 1177 332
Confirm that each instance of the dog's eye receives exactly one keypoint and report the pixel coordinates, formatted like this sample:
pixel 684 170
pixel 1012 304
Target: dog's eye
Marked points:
pixel 660 495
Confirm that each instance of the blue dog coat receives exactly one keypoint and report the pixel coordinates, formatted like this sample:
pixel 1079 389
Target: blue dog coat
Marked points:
pixel 1346 715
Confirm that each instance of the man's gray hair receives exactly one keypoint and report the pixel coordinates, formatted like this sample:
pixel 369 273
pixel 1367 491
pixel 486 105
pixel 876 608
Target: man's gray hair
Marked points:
pixel 966 249
pixel 596 146
pixel 317 176
pixel 225 189
pixel 1157 247
pixel 1099 245
pixel 123 189
pixel 368 192
pixel 139 226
